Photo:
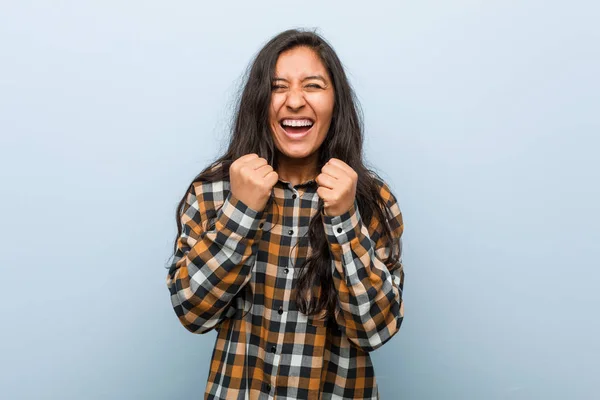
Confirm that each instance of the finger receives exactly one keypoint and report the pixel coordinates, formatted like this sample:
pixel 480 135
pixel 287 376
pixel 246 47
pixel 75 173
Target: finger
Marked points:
pixel 264 170
pixel 247 157
pixel 325 180
pixel 324 193
pixel 257 163
pixel 272 178
pixel 334 171
pixel 341 165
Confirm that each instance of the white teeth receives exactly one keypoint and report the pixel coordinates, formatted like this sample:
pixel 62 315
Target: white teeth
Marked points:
pixel 296 122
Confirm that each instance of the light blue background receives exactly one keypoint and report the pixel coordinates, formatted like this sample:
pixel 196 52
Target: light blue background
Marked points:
pixel 483 117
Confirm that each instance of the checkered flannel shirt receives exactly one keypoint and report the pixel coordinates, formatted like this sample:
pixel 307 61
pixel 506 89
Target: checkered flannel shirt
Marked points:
pixel 234 271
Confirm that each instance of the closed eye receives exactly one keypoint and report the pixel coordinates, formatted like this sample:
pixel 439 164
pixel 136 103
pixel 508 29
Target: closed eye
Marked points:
pixel 278 87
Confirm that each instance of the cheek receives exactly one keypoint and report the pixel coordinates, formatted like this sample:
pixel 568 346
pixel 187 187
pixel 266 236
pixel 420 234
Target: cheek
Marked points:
pixel 276 103
pixel 323 106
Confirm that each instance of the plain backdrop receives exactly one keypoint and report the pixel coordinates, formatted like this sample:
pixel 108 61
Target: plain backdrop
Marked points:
pixel 483 116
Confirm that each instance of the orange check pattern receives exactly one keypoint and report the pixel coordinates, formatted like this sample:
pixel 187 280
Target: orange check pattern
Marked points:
pixel 235 271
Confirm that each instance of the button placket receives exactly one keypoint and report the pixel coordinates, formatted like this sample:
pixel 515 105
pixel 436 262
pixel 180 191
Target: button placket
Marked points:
pixel 274 349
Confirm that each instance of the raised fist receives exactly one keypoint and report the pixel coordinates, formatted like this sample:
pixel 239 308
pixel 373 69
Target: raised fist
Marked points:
pixel 252 178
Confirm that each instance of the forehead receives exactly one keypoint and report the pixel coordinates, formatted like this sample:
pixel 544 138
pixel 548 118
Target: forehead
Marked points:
pixel 298 63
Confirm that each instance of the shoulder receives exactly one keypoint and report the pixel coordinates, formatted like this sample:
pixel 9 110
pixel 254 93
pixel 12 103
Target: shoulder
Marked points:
pixel 206 197
pixel 385 191
pixel 211 192
pixel 206 190
pixel 387 195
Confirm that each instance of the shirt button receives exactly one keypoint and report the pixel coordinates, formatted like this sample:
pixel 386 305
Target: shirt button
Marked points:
pixel 280 311
pixel 294 196
pixel 273 349
pixel 261 225
pixel 339 230
pixel 290 231
pixel 286 270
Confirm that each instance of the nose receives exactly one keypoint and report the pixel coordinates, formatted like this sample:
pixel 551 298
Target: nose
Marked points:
pixel 295 99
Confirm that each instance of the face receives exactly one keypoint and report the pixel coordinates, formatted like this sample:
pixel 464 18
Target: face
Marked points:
pixel 302 101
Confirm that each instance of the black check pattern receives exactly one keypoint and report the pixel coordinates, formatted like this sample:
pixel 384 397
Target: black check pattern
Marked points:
pixel 234 271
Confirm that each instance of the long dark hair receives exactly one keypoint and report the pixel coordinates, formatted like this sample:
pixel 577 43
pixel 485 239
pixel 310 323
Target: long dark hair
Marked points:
pixel 251 133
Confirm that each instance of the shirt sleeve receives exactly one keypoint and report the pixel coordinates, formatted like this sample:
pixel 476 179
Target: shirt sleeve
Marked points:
pixel 370 302
pixel 211 266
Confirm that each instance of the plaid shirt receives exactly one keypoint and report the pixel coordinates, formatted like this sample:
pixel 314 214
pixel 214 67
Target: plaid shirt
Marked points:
pixel 234 271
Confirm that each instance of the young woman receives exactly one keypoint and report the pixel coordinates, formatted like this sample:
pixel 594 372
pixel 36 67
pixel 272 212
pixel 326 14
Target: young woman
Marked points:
pixel 287 244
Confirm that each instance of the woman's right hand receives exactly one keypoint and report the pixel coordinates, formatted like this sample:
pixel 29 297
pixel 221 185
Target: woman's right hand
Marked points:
pixel 252 178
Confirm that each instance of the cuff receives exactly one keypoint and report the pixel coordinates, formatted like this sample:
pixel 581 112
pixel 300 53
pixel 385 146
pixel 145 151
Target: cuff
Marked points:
pixel 240 219
pixel 343 228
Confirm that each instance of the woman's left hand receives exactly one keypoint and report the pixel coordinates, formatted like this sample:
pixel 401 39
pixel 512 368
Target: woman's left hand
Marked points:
pixel 337 187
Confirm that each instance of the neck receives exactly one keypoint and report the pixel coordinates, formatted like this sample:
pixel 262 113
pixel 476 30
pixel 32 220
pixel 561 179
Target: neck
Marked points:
pixel 297 170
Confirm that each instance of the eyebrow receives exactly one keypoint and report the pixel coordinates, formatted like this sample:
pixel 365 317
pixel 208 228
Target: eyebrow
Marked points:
pixel 319 77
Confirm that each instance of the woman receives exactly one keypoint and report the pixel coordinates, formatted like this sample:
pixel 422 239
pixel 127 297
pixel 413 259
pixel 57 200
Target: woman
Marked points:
pixel 288 245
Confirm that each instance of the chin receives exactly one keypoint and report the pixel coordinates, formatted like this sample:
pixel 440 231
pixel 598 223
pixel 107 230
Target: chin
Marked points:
pixel 297 153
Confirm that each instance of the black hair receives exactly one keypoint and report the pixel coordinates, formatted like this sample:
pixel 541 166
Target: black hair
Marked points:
pixel 251 133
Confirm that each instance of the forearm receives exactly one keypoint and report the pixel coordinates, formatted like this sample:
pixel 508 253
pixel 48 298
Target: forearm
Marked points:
pixel 369 292
pixel 211 267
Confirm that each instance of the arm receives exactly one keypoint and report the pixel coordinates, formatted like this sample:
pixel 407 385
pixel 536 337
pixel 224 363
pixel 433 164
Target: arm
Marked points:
pixel 210 267
pixel 369 291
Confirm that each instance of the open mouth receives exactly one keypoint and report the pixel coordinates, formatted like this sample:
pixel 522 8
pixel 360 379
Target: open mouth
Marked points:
pixel 296 126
